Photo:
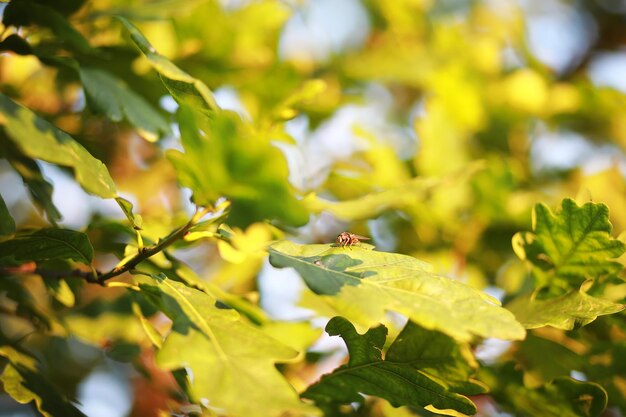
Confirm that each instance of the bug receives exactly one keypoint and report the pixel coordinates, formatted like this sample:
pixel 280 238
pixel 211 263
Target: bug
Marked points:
pixel 349 239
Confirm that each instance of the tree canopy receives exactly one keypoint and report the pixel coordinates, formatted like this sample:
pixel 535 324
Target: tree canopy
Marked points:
pixel 174 175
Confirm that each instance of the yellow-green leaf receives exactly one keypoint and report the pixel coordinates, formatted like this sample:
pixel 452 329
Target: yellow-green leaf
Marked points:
pixel 233 363
pixel 571 246
pixel 38 139
pixel 362 285
pixel 24 383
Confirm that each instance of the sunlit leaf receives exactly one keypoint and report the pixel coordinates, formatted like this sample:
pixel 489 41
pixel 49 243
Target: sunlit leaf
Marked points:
pixel 105 327
pixel 61 291
pixel 46 244
pixel 38 139
pixel 7 224
pixel 233 363
pixel 402 196
pixel 397 380
pixel 363 284
pixel 569 311
pixel 127 207
pixel 571 246
pixel 183 87
pixel 155 337
pixel 24 383
pixel 231 160
pixel 113 97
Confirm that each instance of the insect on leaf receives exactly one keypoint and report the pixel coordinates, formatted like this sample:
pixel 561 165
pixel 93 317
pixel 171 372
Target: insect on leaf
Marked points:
pixel 362 285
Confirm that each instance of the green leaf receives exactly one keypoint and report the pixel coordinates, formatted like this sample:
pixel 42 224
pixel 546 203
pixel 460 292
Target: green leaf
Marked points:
pixel 570 311
pixel 7 224
pixel 39 189
pixel 395 380
pixel 28 12
pixel 244 167
pixel 362 285
pixel 438 356
pixel 403 196
pixel 153 335
pixel 61 291
pixel 113 97
pixel 18 289
pixel 36 138
pixel 562 397
pixel 184 88
pixel 547 359
pixel 233 363
pixel 572 246
pixel 47 244
pixel 107 326
pixel 24 383
pixel 127 207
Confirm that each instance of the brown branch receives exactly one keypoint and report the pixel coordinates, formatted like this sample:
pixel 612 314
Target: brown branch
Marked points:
pixel 149 251
pixel 100 278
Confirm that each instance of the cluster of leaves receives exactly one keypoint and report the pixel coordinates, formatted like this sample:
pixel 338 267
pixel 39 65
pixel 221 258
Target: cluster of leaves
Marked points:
pixel 195 327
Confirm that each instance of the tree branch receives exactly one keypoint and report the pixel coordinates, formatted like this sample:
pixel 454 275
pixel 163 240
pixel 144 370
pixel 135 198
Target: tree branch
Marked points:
pixel 149 251
pixel 100 278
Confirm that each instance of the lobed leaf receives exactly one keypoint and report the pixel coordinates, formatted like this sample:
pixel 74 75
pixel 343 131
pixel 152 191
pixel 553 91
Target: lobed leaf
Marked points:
pixel 233 363
pixel 38 139
pixel 567 312
pixel 571 246
pixel 47 244
pixel 398 378
pixel 437 355
pixel 363 285
pixel 113 97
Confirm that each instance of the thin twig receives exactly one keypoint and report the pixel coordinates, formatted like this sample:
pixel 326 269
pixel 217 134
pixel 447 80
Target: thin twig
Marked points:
pixel 149 251
pixel 94 276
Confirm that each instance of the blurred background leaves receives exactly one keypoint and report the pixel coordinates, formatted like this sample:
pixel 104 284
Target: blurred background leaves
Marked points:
pixel 432 127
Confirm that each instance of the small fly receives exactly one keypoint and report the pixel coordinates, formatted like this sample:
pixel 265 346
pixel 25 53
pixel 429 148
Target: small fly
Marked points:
pixel 349 239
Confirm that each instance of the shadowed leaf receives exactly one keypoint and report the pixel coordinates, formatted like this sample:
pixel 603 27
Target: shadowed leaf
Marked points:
pixel 7 224
pixel 113 97
pixel 47 244
pixel 396 379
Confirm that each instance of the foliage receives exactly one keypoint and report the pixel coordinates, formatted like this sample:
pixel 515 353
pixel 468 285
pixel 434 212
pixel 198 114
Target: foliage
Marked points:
pixel 216 163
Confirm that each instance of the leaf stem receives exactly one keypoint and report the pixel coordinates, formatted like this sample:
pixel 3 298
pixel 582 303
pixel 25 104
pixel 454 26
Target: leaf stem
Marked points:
pixel 148 251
